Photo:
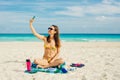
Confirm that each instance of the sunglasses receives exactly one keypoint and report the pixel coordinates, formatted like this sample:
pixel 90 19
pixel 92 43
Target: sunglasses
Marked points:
pixel 50 28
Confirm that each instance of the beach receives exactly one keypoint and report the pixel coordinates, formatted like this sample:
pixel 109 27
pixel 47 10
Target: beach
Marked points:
pixel 101 59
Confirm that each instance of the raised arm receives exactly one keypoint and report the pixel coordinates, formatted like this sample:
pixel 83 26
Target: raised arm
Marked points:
pixel 39 36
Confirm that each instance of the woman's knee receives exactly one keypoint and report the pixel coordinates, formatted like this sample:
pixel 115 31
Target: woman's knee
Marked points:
pixel 61 61
pixel 36 61
pixel 40 62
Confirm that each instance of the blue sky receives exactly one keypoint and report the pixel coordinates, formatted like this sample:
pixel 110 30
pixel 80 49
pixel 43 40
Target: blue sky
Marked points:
pixel 72 16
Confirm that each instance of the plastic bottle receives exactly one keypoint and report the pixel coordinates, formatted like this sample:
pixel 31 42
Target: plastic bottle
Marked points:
pixel 64 70
pixel 28 64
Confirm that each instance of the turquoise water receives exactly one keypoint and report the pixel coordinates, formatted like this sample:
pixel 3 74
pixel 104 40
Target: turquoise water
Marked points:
pixel 63 37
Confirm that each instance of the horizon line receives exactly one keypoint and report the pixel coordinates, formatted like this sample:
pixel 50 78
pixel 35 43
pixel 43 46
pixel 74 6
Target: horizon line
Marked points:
pixel 62 33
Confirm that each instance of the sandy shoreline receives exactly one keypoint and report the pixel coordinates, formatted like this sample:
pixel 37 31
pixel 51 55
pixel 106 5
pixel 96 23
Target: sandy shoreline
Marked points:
pixel 101 60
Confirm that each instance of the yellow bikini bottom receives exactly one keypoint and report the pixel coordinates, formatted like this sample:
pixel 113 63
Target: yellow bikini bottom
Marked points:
pixel 49 59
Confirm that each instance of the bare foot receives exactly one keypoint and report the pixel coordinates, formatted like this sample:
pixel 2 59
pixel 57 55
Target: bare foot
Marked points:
pixel 46 66
pixel 39 66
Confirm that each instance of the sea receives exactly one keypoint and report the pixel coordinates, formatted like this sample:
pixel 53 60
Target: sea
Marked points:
pixel 64 37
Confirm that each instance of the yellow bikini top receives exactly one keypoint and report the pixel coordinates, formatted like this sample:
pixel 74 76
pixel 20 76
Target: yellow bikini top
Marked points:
pixel 49 47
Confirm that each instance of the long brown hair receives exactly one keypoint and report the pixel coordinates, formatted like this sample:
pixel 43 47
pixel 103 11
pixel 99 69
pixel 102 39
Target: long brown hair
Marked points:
pixel 56 37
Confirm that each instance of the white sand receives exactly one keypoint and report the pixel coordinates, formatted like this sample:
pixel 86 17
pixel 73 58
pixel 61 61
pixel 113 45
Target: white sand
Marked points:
pixel 101 59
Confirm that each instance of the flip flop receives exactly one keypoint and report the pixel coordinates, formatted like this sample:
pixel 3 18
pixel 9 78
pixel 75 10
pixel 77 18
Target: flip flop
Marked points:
pixel 77 65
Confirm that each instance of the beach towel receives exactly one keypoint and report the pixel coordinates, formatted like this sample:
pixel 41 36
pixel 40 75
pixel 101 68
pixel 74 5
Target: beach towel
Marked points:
pixel 56 69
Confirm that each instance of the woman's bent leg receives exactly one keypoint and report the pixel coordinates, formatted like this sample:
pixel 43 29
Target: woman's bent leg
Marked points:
pixel 57 62
pixel 41 62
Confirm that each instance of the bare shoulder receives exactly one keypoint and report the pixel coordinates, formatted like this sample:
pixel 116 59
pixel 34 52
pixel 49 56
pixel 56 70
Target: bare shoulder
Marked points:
pixel 44 38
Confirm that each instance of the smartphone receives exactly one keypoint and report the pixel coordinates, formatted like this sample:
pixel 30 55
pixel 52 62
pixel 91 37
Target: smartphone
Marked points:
pixel 33 17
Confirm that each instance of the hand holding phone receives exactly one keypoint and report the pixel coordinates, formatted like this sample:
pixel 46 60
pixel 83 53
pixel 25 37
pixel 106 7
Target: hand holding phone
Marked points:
pixel 32 20
pixel 33 17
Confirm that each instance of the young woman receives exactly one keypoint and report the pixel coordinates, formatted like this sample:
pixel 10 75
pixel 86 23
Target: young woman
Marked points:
pixel 51 47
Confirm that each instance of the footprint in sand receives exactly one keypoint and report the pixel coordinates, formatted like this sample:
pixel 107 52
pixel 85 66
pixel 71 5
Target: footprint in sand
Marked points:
pixel 104 77
pixel 116 76
pixel 83 78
